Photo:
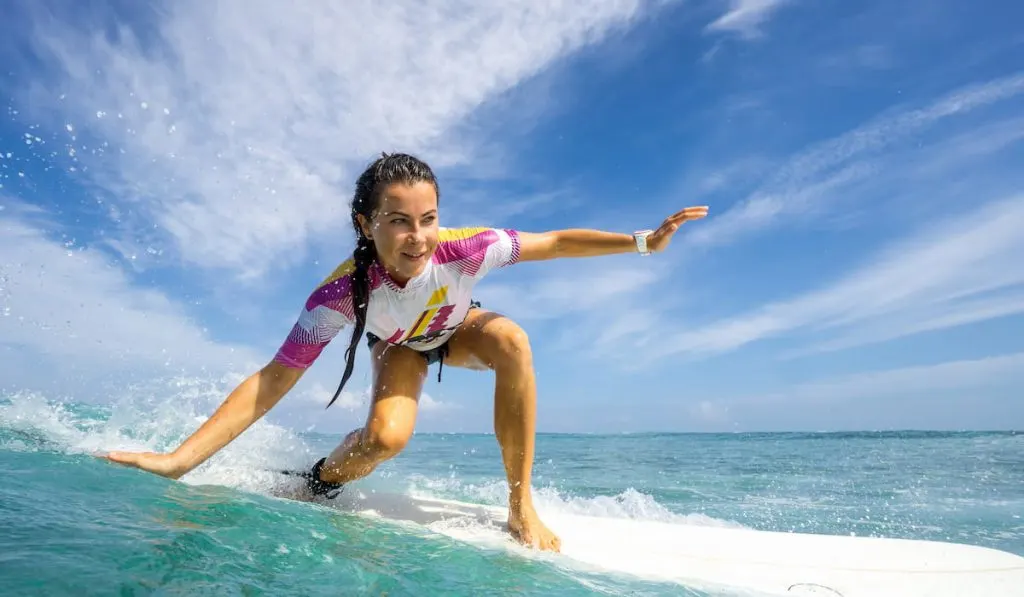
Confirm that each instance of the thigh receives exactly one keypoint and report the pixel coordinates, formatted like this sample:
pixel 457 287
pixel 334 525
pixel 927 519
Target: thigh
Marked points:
pixel 398 374
pixel 484 338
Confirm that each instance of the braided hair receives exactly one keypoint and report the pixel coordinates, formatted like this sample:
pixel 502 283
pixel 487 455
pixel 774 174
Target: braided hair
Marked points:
pixel 385 170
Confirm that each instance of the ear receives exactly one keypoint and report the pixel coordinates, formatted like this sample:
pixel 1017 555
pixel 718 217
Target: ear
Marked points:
pixel 364 224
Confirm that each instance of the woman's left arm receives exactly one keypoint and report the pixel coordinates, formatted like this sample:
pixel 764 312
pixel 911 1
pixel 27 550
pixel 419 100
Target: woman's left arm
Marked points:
pixel 591 243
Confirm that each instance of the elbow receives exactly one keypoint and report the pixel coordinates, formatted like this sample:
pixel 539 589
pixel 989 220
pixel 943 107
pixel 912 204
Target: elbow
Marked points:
pixel 276 380
pixel 556 245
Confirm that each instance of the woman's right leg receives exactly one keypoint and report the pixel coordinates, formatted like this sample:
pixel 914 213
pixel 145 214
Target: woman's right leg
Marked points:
pixel 398 374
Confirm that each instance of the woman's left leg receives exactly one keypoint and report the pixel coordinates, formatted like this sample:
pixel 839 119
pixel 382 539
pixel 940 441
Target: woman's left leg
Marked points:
pixel 488 340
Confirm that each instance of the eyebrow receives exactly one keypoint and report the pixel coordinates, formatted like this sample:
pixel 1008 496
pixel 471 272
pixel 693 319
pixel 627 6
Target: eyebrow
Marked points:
pixel 402 213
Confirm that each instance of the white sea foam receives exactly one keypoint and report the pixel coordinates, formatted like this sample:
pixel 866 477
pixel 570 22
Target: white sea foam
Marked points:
pixel 628 533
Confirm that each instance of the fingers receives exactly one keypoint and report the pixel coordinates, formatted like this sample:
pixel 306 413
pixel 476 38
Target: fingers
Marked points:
pixel 689 213
pixel 129 458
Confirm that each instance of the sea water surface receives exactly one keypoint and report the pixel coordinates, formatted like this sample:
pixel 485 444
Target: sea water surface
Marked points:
pixel 73 524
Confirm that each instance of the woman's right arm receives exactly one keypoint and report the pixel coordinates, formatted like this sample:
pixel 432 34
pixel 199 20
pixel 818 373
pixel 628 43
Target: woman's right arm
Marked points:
pixel 252 399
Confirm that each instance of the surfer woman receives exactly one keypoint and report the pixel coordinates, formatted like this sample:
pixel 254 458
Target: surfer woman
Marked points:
pixel 409 286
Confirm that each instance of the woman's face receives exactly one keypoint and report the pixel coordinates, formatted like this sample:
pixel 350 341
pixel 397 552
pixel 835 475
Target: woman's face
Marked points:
pixel 404 229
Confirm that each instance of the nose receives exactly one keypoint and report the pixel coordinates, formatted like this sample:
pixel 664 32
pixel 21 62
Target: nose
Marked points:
pixel 417 235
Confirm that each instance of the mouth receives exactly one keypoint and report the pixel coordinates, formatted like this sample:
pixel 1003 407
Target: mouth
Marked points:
pixel 414 256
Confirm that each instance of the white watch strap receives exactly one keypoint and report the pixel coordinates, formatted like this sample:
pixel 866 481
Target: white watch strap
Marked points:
pixel 640 238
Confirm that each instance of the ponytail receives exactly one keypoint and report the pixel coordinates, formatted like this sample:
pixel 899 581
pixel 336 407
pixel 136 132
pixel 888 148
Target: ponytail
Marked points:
pixel 363 257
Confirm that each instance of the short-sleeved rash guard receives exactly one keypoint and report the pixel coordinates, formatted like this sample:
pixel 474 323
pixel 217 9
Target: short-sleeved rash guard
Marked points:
pixel 422 315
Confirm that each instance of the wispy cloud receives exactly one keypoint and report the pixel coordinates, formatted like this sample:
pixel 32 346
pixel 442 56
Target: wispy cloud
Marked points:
pixel 70 306
pixel 950 376
pixel 974 393
pixel 896 293
pixel 956 272
pixel 565 288
pixel 814 175
pixel 318 394
pixel 745 17
pixel 235 126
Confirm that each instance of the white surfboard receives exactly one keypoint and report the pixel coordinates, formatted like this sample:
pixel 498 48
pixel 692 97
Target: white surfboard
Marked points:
pixel 718 558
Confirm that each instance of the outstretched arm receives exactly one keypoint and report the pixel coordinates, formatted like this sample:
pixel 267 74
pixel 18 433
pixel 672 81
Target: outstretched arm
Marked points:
pixel 324 314
pixel 591 243
pixel 243 407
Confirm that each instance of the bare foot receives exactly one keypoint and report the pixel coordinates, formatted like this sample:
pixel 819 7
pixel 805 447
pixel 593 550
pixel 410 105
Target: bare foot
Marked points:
pixel 526 527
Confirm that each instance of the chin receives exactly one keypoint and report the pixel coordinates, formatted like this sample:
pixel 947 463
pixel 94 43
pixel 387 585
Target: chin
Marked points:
pixel 411 268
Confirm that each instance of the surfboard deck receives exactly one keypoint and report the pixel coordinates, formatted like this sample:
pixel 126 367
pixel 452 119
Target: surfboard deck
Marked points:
pixel 724 558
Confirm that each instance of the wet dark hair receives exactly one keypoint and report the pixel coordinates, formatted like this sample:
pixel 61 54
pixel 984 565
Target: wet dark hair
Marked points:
pixel 386 170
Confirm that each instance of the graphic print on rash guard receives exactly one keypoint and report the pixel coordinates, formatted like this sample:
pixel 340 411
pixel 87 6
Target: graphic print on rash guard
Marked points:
pixel 422 315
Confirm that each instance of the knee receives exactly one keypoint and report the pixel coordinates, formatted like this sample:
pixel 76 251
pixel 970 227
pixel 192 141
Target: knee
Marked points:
pixel 386 438
pixel 511 346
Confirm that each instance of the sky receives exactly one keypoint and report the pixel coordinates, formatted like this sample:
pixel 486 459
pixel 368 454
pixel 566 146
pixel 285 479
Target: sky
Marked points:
pixel 174 180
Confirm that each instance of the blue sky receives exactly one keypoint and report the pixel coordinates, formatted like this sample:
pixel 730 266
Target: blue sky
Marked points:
pixel 174 183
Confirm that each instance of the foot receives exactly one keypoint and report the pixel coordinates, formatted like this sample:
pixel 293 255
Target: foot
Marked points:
pixel 526 527
pixel 317 487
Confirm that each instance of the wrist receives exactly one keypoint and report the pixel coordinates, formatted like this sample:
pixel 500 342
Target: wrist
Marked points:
pixel 640 242
pixel 180 463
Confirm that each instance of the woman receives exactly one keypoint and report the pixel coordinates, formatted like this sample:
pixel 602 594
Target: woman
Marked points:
pixel 409 285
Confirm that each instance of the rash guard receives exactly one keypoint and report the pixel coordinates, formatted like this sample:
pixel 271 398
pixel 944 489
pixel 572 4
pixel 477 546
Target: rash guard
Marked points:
pixel 421 315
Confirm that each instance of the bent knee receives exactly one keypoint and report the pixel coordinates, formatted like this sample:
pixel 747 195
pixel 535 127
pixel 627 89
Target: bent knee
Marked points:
pixel 511 344
pixel 387 438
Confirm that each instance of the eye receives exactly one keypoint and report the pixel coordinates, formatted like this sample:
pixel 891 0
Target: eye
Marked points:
pixel 397 220
pixel 429 219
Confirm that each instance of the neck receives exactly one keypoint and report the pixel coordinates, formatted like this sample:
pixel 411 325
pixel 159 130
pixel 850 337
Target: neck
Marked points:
pixel 397 278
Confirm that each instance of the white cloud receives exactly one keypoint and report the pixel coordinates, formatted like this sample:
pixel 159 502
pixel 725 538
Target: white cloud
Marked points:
pixel 613 307
pixel 960 271
pixel 708 411
pixel 951 376
pixel 237 126
pixel 567 287
pixel 745 17
pixel 74 306
pixel 429 404
pixel 319 394
pixel 816 174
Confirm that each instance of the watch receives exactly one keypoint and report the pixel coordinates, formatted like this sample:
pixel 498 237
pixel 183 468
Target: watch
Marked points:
pixel 640 238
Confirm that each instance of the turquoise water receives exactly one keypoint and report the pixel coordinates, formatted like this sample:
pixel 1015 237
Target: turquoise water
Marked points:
pixel 75 525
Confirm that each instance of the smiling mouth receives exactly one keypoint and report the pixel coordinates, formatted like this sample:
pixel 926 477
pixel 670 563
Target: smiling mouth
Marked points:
pixel 414 256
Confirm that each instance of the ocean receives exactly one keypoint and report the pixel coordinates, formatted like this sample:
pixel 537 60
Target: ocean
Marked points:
pixel 77 525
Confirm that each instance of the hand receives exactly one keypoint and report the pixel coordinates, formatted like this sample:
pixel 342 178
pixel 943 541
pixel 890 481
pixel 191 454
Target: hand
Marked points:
pixel 165 465
pixel 659 239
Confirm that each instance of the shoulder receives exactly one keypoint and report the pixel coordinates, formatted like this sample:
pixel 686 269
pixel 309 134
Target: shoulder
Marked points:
pixel 337 286
pixel 340 273
pixel 475 251
pixel 448 235
pixel 462 243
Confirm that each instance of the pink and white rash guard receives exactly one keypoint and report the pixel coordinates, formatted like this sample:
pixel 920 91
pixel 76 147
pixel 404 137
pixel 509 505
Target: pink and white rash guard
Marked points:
pixel 422 315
